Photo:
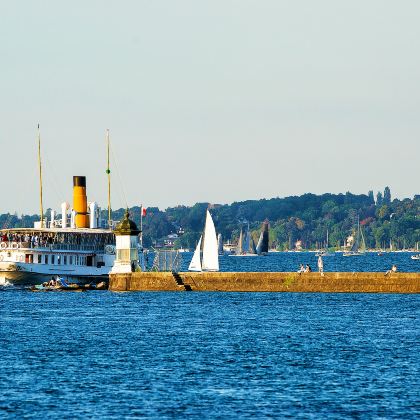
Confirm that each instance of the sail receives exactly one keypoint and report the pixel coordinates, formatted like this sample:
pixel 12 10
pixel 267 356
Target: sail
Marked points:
pixel 210 260
pixel 247 241
pixel 355 246
pixel 252 249
pixel 363 244
pixel 239 248
pixel 260 243
pixel 195 264
pixel 359 244
pixel 220 244
pixel 262 246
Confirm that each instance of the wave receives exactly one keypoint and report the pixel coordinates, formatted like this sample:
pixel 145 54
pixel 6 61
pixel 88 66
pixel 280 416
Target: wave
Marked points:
pixel 4 282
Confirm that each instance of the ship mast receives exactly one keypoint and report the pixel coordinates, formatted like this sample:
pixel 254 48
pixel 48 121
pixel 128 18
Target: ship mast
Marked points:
pixel 108 171
pixel 40 178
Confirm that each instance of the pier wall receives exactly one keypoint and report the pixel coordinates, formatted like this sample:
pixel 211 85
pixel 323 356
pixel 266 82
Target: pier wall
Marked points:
pixel 267 282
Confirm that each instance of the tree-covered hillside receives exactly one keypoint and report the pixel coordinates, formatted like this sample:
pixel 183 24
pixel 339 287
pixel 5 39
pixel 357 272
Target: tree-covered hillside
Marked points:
pixel 305 218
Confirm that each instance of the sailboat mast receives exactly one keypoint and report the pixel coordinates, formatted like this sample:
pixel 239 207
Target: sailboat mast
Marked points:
pixel 141 226
pixel 40 178
pixel 108 171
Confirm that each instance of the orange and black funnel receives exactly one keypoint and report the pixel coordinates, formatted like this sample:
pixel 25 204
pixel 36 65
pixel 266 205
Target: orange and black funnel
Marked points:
pixel 80 201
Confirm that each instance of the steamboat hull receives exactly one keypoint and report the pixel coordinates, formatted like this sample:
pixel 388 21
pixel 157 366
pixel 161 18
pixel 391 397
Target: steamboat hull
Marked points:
pixel 16 274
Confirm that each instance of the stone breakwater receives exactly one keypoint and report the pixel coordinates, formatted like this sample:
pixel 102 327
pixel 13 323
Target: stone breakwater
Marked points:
pixel 267 282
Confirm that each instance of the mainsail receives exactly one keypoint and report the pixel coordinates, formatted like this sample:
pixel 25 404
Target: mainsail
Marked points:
pixel 210 260
pixel 252 247
pixel 239 248
pixel 195 264
pixel 262 246
pixel 355 246
pixel 363 243
pixel 247 241
pixel 359 245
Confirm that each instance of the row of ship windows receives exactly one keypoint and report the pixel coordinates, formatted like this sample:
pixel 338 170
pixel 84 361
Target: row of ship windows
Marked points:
pixel 60 259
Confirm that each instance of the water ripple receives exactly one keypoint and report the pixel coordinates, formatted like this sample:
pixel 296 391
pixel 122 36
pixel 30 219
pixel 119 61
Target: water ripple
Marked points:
pixel 212 355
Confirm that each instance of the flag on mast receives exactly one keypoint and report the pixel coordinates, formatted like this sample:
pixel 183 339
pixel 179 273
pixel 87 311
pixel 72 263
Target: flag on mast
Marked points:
pixel 143 211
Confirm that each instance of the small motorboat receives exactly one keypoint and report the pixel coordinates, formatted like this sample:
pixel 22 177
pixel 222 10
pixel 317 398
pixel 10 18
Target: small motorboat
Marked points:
pixel 324 254
pixel 415 257
pixel 57 284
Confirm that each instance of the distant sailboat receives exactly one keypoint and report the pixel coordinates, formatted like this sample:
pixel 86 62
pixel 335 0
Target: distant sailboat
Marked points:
pixel 246 245
pixel 206 257
pixel 247 242
pixel 239 248
pixel 359 245
pixel 324 252
pixel 220 244
pixel 262 246
pixel 253 248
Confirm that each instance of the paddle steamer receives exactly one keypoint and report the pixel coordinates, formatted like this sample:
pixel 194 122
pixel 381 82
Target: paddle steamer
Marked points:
pixel 79 246
pixel 75 246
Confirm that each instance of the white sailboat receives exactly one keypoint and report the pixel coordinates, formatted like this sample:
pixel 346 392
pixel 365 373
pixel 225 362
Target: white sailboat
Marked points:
pixel 208 260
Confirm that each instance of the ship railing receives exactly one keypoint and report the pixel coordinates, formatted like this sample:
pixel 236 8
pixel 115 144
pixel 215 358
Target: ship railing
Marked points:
pixel 49 247
pixel 76 247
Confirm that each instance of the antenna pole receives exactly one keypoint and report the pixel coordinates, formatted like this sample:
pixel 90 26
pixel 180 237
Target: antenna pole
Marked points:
pixel 108 171
pixel 40 178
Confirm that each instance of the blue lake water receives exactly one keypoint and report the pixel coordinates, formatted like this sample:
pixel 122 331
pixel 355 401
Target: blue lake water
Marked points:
pixel 290 261
pixel 100 354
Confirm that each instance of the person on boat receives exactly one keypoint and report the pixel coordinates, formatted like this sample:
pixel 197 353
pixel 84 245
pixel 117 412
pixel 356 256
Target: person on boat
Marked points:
pixel 54 282
pixel 320 265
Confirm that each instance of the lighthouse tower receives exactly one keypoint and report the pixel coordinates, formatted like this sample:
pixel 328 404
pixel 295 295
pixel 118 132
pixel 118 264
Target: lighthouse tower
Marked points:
pixel 127 256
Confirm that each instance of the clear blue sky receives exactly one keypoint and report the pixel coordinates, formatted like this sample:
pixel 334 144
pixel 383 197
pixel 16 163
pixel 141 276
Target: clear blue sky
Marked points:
pixel 213 101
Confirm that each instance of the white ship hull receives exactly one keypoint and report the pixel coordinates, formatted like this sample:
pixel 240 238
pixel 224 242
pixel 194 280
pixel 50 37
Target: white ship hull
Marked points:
pixel 86 256
pixel 21 273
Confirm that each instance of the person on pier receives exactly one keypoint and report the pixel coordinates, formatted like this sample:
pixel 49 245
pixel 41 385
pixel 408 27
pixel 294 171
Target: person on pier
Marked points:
pixel 320 265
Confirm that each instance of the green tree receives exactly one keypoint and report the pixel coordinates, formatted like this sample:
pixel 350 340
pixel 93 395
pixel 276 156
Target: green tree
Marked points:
pixel 371 197
pixel 387 196
pixel 379 199
pixel 383 212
